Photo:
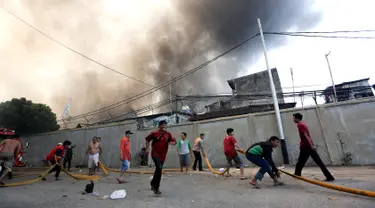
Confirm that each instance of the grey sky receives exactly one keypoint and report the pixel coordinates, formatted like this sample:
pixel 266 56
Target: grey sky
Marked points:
pixel 143 40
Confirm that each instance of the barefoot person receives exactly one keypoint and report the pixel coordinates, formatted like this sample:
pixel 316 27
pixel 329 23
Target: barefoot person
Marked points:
pixel 125 155
pixel 55 158
pixel 98 141
pixel 197 149
pixel 93 151
pixel 307 149
pixel 230 145
pixel 261 155
pixel 9 149
pixel 160 140
pixel 184 151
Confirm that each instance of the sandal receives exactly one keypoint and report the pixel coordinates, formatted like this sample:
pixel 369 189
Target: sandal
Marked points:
pixel 120 181
pixel 243 178
pixel 255 184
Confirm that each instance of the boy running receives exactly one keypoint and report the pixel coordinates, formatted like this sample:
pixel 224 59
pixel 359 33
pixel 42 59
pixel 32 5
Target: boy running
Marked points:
pixel 125 155
pixel 161 139
pixel 184 150
pixel 230 145
pixel 261 155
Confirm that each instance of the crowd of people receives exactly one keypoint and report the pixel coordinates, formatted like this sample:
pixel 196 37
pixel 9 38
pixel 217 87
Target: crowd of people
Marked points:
pixel 159 140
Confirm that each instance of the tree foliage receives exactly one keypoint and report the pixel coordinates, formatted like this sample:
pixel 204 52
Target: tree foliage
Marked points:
pixel 27 117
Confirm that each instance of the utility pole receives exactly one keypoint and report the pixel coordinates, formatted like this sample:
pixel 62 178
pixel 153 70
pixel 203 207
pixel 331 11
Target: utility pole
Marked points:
pixel 333 83
pixel 275 101
pixel 291 74
pixel 170 90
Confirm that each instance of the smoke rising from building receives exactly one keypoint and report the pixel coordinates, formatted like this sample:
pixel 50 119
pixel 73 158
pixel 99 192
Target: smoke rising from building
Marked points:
pixel 143 39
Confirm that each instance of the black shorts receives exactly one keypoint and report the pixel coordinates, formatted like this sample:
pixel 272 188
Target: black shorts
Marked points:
pixel 237 161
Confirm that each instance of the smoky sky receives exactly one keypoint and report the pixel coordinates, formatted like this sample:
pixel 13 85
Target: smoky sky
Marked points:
pixel 174 36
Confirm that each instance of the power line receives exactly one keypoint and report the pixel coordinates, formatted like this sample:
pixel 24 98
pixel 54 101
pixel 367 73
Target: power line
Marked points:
pixel 244 97
pixel 73 50
pixel 318 36
pixel 330 32
pixel 149 91
pixel 153 89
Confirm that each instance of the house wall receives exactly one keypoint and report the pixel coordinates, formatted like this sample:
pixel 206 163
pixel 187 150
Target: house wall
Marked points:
pixel 340 131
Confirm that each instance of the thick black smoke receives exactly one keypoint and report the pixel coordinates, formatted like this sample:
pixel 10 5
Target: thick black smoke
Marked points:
pixel 178 38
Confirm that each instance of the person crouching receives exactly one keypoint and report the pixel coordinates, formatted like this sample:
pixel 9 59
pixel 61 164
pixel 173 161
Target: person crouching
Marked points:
pixel 260 154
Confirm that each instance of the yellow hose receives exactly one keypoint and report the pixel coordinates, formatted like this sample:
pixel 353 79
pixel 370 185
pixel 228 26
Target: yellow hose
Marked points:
pixel 29 181
pixel 332 186
pixel 106 169
pixel 118 171
pixel 213 170
pixel 81 176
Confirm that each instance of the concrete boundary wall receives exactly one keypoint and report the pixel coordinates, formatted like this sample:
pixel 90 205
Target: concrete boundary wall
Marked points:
pixel 344 133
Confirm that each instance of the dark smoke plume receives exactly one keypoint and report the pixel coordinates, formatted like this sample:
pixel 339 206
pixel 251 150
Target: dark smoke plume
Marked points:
pixel 142 39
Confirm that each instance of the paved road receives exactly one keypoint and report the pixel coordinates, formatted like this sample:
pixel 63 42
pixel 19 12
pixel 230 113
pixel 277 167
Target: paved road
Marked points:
pixel 183 191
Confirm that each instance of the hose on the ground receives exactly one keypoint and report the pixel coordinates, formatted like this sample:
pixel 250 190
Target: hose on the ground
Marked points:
pixel 75 176
pixel 106 169
pixel 333 186
pixel 330 186
pixel 212 169
pixel 81 176
pixel 29 181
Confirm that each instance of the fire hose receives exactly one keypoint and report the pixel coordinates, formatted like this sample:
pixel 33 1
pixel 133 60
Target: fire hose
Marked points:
pixel 74 176
pixel 319 183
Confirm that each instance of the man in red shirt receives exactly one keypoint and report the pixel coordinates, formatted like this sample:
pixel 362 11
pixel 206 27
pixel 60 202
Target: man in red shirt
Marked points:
pixel 230 144
pixel 55 158
pixel 160 140
pixel 125 155
pixel 307 149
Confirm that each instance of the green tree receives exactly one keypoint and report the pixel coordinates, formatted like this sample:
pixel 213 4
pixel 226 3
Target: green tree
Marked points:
pixel 27 117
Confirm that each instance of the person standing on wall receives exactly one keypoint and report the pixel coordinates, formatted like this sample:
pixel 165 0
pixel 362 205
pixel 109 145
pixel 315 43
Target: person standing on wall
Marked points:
pixel 197 148
pixel 184 151
pixel 55 158
pixel 307 149
pixel 230 145
pixel 160 140
pixel 68 157
pixel 125 155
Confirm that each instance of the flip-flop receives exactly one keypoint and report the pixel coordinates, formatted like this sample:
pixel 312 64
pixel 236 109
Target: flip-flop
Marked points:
pixel 120 181
pixel 255 184
pixel 243 178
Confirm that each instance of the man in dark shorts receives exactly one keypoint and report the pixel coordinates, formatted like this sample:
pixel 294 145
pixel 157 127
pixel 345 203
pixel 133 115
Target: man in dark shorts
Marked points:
pixel 307 149
pixel 160 140
pixel 9 149
pixel 230 145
